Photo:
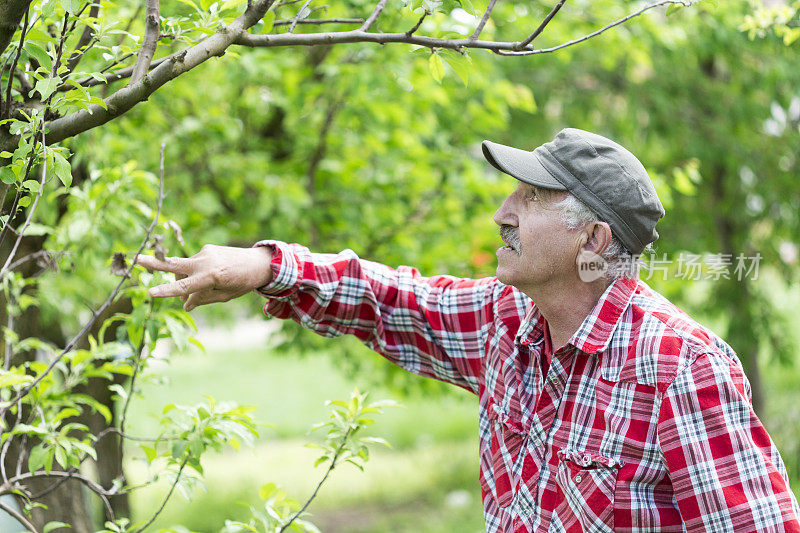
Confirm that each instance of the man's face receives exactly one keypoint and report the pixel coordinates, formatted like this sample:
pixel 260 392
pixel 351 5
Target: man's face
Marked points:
pixel 542 248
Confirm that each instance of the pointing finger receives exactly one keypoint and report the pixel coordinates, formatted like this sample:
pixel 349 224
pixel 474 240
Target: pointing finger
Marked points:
pixel 176 265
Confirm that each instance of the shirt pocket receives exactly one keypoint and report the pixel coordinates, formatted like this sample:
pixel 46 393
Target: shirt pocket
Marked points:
pixel 502 455
pixel 586 485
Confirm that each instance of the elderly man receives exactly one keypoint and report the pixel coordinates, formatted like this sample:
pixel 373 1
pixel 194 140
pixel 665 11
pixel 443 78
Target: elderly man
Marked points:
pixel 602 406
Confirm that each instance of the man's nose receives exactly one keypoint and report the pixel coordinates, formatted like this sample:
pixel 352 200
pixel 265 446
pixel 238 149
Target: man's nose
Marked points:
pixel 505 214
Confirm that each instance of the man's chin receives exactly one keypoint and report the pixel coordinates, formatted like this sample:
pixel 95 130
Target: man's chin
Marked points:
pixel 503 276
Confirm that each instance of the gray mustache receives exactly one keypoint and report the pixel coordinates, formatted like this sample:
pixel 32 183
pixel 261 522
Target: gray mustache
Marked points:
pixel 510 236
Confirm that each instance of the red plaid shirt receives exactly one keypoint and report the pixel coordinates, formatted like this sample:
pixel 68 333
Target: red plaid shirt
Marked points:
pixel 642 422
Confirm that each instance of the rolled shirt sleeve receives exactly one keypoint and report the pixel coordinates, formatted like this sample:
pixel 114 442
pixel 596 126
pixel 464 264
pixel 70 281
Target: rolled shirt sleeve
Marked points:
pixel 726 471
pixel 432 326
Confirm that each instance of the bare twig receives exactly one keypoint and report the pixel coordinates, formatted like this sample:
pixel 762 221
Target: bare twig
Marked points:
pixel 7 445
pixel 484 19
pixel 410 32
pixel 169 495
pixel 19 517
pixel 544 23
pixel 321 482
pixel 151 36
pixel 359 36
pixel 7 103
pixel 617 22
pixel 92 485
pixel 7 354
pixel 297 16
pixel 317 21
pixel 71 344
pixel 31 257
pixel 373 16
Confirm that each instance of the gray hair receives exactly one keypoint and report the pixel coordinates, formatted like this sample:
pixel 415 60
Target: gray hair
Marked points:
pixel 620 262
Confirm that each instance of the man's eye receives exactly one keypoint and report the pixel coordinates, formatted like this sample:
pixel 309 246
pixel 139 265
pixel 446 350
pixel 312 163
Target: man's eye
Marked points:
pixel 533 195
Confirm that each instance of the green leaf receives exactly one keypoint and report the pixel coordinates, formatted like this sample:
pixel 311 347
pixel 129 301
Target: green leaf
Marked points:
pixel 25 201
pixel 37 458
pixel 40 54
pixel 267 491
pixel 436 67
pixel 47 86
pixel 71 6
pixel 63 170
pixel 7 175
pixel 8 379
pixel 231 4
pixel 50 526
pixel 192 4
pixel 673 8
pixel 376 440
pixel 460 64
pixel 149 452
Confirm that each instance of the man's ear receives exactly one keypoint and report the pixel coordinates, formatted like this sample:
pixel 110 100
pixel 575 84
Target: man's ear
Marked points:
pixel 598 237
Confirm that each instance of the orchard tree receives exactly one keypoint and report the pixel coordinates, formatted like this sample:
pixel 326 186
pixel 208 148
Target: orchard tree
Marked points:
pixel 75 340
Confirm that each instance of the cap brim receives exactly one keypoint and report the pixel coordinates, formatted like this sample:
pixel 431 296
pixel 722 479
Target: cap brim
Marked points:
pixel 524 166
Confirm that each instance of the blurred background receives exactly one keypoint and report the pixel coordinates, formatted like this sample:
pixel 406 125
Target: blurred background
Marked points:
pixel 359 146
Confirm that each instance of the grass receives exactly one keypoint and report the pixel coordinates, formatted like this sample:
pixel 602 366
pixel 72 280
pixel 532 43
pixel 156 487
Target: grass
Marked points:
pixel 426 483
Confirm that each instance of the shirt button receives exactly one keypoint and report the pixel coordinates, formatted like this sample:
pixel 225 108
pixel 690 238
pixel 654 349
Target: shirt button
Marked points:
pixel 578 478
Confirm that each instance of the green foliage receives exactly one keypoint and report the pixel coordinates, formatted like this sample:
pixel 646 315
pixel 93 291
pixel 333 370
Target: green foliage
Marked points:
pixel 360 147
pixel 341 444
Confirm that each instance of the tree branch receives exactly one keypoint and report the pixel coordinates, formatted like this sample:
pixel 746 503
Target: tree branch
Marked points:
pixel 7 103
pixel 127 97
pixel 215 45
pixel 544 23
pixel 92 485
pixel 297 16
pixel 318 21
pixel 169 495
pixel 152 28
pixel 321 482
pixel 11 13
pixel 410 32
pixel 617 22
pixel 360 36
pixel 373 16
pixel 484 19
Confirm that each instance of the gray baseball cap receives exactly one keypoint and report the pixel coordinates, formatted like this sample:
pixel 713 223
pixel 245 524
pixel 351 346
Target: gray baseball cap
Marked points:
pixel 599 172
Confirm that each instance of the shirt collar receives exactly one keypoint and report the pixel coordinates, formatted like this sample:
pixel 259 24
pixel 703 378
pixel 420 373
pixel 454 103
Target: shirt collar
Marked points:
pixel 595 331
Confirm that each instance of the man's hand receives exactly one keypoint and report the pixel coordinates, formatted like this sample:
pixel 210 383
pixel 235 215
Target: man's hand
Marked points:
pixel 216 274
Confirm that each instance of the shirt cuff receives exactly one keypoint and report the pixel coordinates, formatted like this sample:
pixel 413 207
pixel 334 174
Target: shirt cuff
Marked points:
pixel 285 271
